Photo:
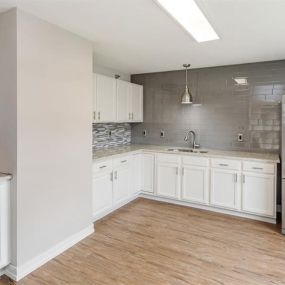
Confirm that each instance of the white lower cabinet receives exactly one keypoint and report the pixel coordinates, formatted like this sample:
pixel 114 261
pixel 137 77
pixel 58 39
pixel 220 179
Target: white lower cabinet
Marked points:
pixel 234 186
pixel 225 189
pixel 122 182
pixel 148 172
pixel 136 173
pixel 4 223
pixel 112 182
pixel 167 179
pixel 258 194
pixel 195 184
pixel 102 192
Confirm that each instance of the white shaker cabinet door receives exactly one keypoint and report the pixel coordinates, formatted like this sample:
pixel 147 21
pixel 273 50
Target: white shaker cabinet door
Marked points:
pixel 122 183
pixel 105 99
pixel 258 194
pixel 136 173
pixel 137 103
pixel 148 173
pixel 123 101
pixel 195 184
pixel 102 193
pixel 225 189
pixel 167 179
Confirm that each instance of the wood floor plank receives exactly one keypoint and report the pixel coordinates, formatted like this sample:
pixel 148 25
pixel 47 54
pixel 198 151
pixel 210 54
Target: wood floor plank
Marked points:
pixel 149 242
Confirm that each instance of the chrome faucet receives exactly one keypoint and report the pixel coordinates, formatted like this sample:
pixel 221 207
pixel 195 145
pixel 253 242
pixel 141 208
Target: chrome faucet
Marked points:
pixel 194 144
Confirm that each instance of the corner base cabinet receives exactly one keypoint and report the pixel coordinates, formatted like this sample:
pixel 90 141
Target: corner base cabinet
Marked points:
pixel 4 223
pixel 236 186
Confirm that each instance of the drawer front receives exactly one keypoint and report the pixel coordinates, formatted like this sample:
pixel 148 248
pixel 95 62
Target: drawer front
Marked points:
pixel 196 160
pixel 102 166
pixel 226 163
pixel 259 167
pixel 172 158
pixel 122 161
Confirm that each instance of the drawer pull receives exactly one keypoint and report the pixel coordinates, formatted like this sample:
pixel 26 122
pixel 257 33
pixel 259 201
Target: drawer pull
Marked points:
pixel 257 168
pixel 123 161
pixel 104 166
pixel 223 164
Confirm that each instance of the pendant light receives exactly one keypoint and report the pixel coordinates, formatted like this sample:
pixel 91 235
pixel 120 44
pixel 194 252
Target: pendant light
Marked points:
pixel 186 97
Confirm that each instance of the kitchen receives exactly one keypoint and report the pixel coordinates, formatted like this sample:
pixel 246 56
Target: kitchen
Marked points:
pixel 162 168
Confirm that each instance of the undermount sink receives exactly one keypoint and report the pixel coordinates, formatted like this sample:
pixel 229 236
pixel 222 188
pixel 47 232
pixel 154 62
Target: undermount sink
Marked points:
pixel 186 150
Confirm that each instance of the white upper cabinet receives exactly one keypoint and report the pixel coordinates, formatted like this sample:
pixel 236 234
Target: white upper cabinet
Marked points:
pixel 137 103
pixel 104 99
pixel 116 100
pixel 124 101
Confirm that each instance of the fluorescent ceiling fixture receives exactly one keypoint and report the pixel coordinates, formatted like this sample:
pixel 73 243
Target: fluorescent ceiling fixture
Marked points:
pixel 188 14
pixel 241 80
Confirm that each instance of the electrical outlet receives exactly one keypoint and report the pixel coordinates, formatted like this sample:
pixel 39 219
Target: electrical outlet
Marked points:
pixel 162 134
pixel 144 133
pixel 110 134
pixel 240 137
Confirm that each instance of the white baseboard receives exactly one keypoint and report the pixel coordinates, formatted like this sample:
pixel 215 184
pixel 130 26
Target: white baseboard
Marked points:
pixel 2 272
pixel 17 273
pixel 209 208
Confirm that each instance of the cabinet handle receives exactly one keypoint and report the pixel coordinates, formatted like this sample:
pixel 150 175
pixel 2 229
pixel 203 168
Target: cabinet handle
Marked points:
pixel 116 175
pixel 182 170
pixel 123 161
pixel 257 168
pixel 111 176
pixel 223 164
pixel 94 116
pixel 102 166
pixel 99 116
pixel 177 170
pixel 235 177
pixel 132 116
pixel 129 116
pixel 243 178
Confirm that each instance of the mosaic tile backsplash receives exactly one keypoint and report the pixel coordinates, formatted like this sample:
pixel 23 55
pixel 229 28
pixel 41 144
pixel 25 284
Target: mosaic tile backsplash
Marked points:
pixel 252 108
pixel 110 135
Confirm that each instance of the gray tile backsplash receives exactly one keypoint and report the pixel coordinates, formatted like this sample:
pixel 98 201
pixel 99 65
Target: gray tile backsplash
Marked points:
pixel 227 108
pixel 110 135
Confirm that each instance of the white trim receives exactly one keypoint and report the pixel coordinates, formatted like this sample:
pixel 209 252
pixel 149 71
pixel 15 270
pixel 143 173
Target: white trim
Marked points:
pixel 2 272
pixel 17 273
pixel 209 208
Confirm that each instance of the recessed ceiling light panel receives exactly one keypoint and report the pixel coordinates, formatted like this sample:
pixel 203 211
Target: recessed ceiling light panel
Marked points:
pixel 190 17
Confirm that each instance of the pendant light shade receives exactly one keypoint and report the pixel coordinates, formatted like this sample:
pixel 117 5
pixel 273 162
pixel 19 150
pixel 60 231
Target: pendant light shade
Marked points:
pixel 186 97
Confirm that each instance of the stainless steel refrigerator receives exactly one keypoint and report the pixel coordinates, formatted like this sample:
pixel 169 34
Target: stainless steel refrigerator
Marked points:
pixel 283 163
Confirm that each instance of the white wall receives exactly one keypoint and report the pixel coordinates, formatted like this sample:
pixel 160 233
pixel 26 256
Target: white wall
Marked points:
pixel 109 71
pixel 8 106
pixel 45 131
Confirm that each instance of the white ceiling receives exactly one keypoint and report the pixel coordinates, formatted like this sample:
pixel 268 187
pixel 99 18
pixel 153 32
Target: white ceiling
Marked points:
pixel 136 36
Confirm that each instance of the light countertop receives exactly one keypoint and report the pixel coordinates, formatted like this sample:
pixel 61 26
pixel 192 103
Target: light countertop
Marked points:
pixel 5 177
pixel 118 151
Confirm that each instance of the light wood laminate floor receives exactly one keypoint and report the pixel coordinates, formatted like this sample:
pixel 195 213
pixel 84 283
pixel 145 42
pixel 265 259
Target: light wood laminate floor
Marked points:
pixel 148 242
